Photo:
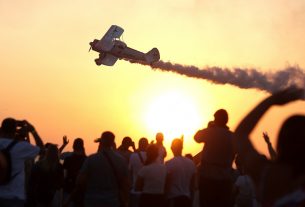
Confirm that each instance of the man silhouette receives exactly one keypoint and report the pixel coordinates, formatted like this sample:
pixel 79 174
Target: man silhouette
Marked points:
pixel 215 185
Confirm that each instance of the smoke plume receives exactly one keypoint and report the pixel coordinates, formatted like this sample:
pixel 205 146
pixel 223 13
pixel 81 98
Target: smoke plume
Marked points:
pixel 240 77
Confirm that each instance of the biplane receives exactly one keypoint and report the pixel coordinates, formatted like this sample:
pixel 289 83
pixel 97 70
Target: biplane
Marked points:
pixel 111 48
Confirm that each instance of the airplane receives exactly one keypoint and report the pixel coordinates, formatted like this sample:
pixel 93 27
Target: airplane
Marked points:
pixel 111 48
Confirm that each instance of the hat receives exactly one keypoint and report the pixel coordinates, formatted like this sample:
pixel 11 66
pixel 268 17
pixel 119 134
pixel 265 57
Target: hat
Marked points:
pixel 107 138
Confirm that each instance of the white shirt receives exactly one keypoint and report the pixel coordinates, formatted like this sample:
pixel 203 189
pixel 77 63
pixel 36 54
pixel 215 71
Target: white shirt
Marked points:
pixel 154 176
pixel 135 164
pixel 19 154
pixel 180 170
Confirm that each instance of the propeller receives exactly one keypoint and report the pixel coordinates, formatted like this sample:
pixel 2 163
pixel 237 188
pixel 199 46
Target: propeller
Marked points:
pixel 91 43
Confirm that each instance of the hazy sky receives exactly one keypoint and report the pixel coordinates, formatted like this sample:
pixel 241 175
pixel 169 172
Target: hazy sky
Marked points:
pixel 49 78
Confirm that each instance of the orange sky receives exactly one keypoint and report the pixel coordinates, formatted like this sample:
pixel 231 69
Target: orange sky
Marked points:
pixel 50 79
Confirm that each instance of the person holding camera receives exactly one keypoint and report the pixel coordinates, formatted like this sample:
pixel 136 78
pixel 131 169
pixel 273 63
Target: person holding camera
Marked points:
pixel 12 191
pixel 215 183
pixel 123 149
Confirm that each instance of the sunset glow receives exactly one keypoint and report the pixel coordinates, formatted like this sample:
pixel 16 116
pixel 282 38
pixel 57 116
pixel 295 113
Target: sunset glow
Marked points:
pixel 49 78
pixel 174 114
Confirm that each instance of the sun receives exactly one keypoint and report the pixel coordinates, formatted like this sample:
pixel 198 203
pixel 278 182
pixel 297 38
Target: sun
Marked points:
pixel 174 114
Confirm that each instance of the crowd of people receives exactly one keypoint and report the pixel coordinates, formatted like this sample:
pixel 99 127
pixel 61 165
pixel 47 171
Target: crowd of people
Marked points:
pixel 42 175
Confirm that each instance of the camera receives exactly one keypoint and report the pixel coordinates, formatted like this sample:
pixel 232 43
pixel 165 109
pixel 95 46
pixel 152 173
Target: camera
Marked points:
pixel 22 132
pixel 21 123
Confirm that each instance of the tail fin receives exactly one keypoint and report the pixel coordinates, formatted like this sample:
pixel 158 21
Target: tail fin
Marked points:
pixel 152 56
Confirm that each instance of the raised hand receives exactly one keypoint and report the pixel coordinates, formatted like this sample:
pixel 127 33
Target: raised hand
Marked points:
pixel 65 140
pixel 29 126
pixel 266 137
pixel 271 151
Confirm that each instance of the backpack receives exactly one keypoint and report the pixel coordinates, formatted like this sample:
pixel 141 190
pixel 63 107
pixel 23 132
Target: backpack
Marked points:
pixel 6 164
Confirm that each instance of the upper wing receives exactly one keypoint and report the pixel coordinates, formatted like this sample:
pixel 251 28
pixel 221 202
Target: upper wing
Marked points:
pixel 114 32
pixel 107 41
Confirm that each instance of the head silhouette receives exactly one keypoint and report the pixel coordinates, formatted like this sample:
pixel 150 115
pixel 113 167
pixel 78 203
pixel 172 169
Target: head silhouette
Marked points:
pixel 152 154
pixel 78 144
pixel 143 144
pixel 177 146
pixel 52 153
pixel 189 156
pixel 291 143
pixel 107 139
pixel 9 127
pixel 50 159
pixel 159 137
pixel 127 142
pixel 221 117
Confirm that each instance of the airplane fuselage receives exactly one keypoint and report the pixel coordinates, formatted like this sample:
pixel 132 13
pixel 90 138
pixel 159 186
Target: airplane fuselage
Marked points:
pixel 119 50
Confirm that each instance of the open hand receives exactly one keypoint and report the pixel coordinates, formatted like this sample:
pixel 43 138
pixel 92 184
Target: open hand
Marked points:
pixel 65 140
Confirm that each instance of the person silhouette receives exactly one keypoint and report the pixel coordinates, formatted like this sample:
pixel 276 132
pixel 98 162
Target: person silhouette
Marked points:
pixel 181 177
pixel 47 176
pixel 215 183
pixel 136 162
pixel 72 165
pixel 151 179
pixel 103 178
pixel 159 144
pixel 13 193
pixel 123 149
pixel 280 182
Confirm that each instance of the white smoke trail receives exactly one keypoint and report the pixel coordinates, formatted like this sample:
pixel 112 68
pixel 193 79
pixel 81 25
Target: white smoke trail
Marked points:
pixel 240 77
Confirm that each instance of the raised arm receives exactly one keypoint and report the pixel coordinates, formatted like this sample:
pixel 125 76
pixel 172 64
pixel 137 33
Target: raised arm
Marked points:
pixel 65 142
pixel 38 140
pixel 251 159
pixel 246 126
pixel 271 151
